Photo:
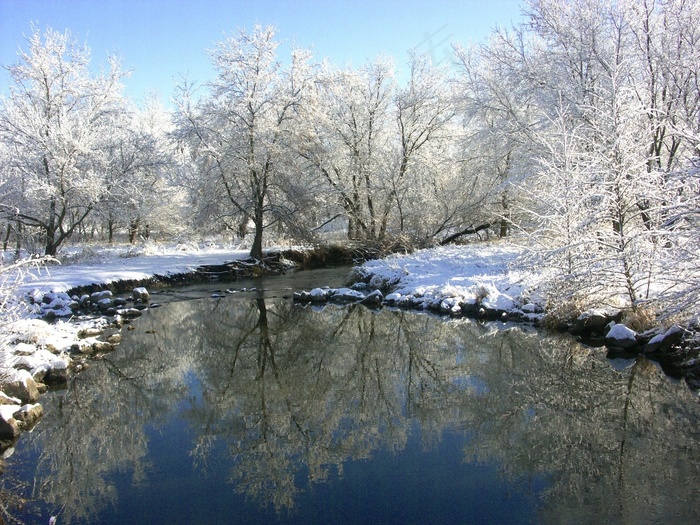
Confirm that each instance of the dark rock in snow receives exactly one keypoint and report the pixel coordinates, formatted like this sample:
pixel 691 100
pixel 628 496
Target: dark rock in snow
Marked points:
pixel 104 304
pixel 471 309
pixel 83 347
pixel 665 342
pixel 56 377
pixel 140 295
pixel 129 313
pixel 26 390
pixel 102 347
pixel 595 321
pixel 96 297
pixel 344 295
pixel 302 297
pixel 621 337
pixel 28 416
pixel 9 430
pixel 374 299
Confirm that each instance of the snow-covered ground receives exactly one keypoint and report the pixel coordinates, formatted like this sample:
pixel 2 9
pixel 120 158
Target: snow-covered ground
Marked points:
pixel 481 273
pixel 106 265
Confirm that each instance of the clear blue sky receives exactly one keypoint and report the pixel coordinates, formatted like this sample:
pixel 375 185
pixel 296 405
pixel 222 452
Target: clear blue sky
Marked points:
pixel 161 39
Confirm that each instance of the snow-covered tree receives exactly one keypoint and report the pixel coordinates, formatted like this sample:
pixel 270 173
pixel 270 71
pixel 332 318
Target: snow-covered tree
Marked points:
pixel 381 150
pixel 498 106
pixel 344 138
pixel 55 122
pixel 421 154
pixel 622 91
pixel 9 226
pixel 237 131
pixel 138 155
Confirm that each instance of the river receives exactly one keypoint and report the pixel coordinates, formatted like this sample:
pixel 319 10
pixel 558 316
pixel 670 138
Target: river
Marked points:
pixel 247 408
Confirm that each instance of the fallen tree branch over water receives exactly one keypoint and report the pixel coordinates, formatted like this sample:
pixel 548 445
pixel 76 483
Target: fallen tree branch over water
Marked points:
pixel 467 231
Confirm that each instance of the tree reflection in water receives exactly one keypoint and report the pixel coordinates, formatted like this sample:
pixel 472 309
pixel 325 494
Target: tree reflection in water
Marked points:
pixel 292 391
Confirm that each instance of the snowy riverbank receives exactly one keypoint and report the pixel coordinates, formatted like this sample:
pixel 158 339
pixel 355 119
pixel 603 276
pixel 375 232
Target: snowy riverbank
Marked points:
pixel 479 280
pixel 34 353
pixel 108 265
pixel 488 281
pixel 448 276
pixel 478 273
pixel 453 280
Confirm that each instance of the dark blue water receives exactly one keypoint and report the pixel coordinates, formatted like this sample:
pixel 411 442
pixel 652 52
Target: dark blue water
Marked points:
pixel 410 486
pixel 243 410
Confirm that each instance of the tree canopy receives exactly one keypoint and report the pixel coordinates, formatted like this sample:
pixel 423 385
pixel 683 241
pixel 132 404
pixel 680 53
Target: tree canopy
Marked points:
pixel 578 130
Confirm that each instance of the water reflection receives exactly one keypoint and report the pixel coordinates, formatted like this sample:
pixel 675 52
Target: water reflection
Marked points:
pixel 292 395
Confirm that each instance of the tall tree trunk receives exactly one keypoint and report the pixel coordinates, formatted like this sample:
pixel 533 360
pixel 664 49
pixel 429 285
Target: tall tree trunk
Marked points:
pixel 353 229
pixel 133 229
pixel 110 230
pixel 256 251
pixel 243 227
pixel 50 230
pixel 7 237
pixel 18 240
pixel 50 248
pixel 503 230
